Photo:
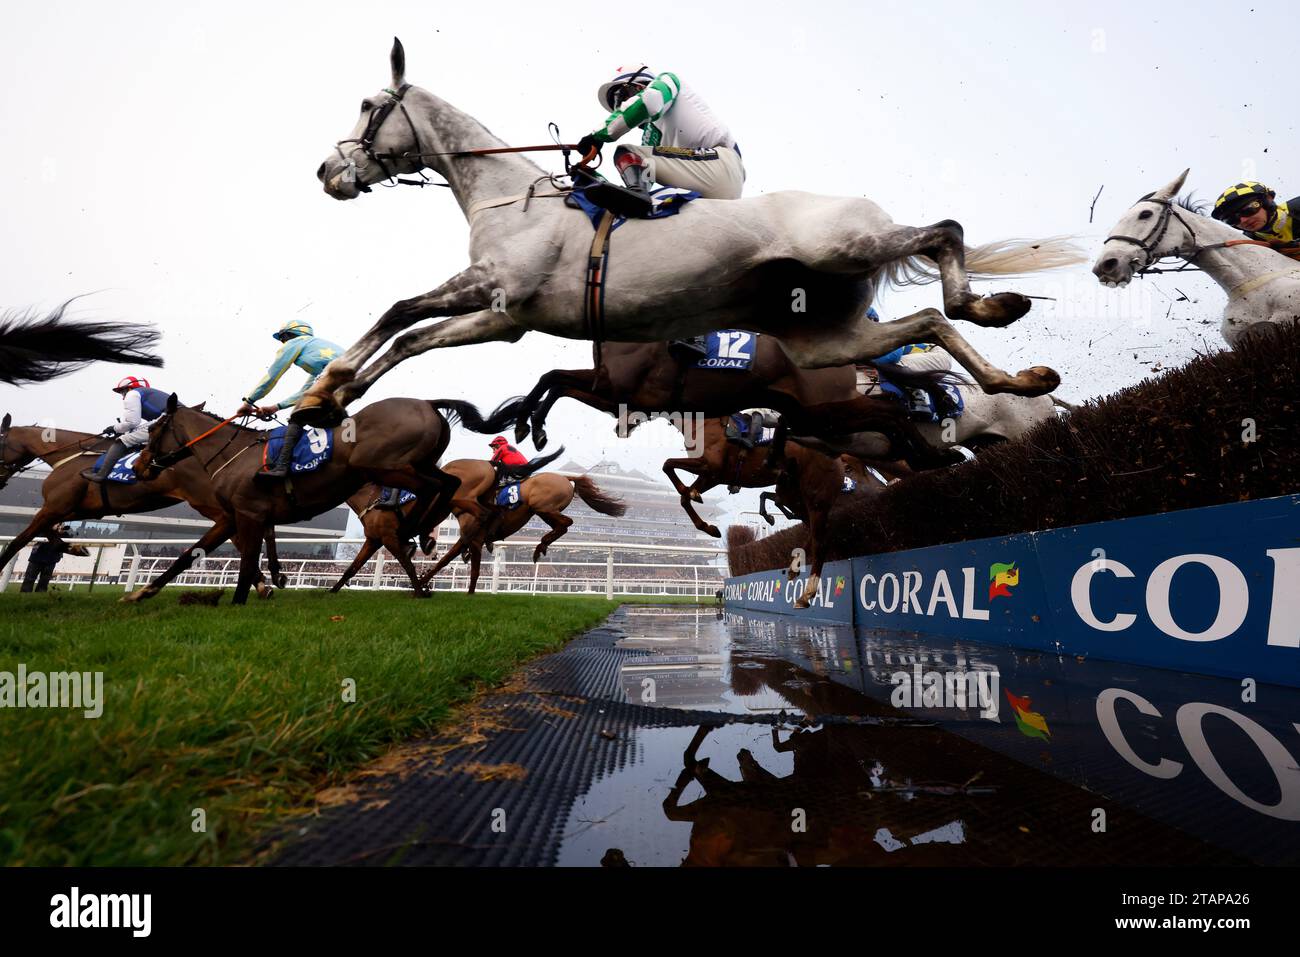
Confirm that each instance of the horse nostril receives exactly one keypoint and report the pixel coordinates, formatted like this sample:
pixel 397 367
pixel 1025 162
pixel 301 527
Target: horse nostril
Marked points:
pixel 320 173
pixel 1110 264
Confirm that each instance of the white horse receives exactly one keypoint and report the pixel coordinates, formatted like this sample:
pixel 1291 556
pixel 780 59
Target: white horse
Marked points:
pixel 1262 284
pixel 795 265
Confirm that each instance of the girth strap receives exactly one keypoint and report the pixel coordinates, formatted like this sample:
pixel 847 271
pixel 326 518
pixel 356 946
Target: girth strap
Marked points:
pixel 593 301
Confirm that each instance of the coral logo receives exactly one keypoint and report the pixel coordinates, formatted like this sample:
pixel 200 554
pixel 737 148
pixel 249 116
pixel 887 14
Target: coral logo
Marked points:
pixel 839 585
pixel 1003 576
pixel 1030 722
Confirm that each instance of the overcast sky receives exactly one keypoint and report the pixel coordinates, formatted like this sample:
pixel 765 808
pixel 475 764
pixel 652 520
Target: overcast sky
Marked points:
pixel 162 156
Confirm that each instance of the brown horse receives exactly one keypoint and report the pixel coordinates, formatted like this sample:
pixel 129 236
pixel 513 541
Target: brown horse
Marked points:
pixel 808 484
pixel 546 496
pixel 66 496
pixel 645 377
pixel 395 442
pixel 389 528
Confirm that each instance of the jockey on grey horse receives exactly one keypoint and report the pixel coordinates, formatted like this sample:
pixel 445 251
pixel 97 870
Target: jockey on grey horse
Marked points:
pixel 683 144
pixel 141 405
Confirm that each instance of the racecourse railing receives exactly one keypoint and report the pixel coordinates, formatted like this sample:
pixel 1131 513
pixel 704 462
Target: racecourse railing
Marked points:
pixel 698 572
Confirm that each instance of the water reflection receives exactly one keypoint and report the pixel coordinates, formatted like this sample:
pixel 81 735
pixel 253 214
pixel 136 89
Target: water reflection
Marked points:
pixel 780 746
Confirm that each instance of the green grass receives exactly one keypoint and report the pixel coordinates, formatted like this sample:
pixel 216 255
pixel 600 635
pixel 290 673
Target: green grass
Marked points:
pixel 238 711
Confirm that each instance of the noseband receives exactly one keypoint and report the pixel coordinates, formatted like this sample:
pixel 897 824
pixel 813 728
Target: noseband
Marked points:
pixel 1153 239
pixel 366 142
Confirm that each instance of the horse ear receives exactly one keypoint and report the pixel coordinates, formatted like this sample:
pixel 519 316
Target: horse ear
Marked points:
pixel 398 61
pixel 6 422
pixel 171 404
pixel 200 406
pixel 1170 190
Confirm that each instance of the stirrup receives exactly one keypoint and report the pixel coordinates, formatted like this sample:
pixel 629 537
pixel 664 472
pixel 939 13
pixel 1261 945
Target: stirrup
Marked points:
pixel 262 475
pixel 621 201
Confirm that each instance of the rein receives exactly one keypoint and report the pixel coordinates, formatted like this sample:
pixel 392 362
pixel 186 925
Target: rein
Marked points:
pixel 168 459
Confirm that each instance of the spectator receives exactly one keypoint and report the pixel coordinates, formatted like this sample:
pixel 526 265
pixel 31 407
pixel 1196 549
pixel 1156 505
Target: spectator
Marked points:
pixel 45 556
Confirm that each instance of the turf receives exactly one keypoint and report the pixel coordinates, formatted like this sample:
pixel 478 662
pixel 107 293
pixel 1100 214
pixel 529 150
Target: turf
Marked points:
pixel 239 712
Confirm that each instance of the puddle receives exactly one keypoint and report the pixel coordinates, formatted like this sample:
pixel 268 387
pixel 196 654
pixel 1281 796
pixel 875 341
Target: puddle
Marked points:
pixel 997 758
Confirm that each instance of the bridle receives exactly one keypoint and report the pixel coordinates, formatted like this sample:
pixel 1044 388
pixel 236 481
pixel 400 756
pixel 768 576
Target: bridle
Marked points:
pixel 366 142
pixel 158 463
pixel 1149 245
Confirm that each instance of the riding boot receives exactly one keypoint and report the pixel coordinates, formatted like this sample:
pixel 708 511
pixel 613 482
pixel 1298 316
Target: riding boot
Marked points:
pixel 390 499
pixel 756 420
pixel 632 200
pixel 280 467
pixel 115 452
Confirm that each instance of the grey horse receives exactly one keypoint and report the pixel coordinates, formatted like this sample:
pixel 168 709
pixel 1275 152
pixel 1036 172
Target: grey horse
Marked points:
pixel 795 265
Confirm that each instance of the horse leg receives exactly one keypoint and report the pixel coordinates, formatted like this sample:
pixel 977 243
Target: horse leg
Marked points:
pixel 273 561
pixel 461 544
pixel 252 532
pixel 475 560
pixel 695 467
pixel 530 415
pixel 583 393
pixel 818 522
pixel 867 340
pixel 469 291
pixel 559 523
pixel 367 549
pixel 218 533
pixel 42 523
pixel 395 545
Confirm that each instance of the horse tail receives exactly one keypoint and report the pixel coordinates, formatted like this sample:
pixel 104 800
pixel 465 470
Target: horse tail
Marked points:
pixel 1062 404
pixel 37 348
pixel 1003 257
pixel 537 464
pixel 468 415
pixel 597 500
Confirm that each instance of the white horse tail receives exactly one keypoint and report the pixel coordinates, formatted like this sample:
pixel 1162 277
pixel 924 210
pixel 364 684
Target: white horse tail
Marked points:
pixel 1003 257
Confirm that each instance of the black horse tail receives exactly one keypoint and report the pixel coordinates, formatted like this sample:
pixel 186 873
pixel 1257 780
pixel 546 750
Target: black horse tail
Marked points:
pixel 536 465
pixel 468 415
pixel 36 348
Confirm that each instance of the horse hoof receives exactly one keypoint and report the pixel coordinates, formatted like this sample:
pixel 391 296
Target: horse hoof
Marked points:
pixel 422 594
pixel 521 431
pixel 695 496
pixel 539 438
pixel 136 596
pixel 769 519
pixel 713 530
pixel 282 580
pixel 1037 380
pixel 995 311
pixel 802 603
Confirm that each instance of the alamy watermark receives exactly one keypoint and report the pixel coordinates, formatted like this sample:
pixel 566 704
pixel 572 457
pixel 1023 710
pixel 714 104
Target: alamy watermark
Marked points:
pixel 689 425
pixel 82 690
pixel 919 688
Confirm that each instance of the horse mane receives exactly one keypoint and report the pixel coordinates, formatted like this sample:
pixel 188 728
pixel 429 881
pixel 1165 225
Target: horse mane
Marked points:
pixel 221 418
pixel 36 348
pixel 1189 202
